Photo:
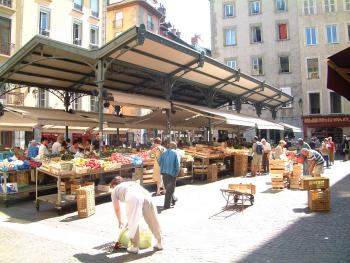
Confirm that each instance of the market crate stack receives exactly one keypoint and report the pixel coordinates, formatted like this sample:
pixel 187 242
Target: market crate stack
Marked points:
pixel 294 179
pixel 318 192
pixel 240 167
pixel 86 200
pixel 277 169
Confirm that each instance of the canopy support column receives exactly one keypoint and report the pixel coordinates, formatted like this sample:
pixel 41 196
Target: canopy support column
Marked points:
pixel 66 108
pixel 210 131
pixel 168 125
pixel 100 78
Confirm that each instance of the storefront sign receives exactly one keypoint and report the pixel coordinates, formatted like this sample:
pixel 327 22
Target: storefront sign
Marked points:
pixel 329 121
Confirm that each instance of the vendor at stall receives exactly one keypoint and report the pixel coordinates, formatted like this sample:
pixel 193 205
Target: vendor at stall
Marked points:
pixel 301 145
pixel 280 153
pixel 95 144
pixel 75 147
pixel 315 161
pixel 43 150
pixel 57 146
pixel 138 203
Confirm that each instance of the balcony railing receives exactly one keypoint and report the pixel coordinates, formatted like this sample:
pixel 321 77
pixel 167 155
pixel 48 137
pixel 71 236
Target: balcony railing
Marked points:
pixel 5 48
pixel 77 41
pixel 150 26
pixel 93 46
pixel 78 7
pixel 7 3
pixel 44 32
pixel 14 98
pixel 94 13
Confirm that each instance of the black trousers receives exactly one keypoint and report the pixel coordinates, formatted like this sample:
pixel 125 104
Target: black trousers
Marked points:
pixel 169 185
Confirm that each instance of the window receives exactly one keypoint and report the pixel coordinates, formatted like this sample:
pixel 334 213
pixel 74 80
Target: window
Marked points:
pixel 329 6
pixel 229 10
pixel 78 4
pixel 94 5
pixel 281 5
pixel 311 36
pixel 282 31
pixel 348 31
pixel 314 103
pixel 257 66
pixel 332 36
pixel 77 33
pixel 76 103
pixel 150 25
pixel 5 36
pixel 312 68
pixel 118 22
pixel 256 34
pixel 232 63
pixel 254 7
pixel 230 37
pixel 44 22
pixel 347 5
pixel 93 37
pixel 284 64
pixel 287 90
pixel 93 104
pixel 7 3
pixel 43 98
pixel 309 7
pixel 335 100
pixel 20 139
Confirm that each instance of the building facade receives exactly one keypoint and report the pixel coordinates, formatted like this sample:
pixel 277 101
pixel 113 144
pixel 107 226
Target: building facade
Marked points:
pixel 285 43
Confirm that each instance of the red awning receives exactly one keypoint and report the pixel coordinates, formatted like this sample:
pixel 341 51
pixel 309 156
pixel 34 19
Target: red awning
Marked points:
pixel 339 73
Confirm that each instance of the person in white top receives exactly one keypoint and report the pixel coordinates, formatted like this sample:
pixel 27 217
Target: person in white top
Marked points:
pixel 43 147
pixel 266 155
pixel 56 147
pixel 138 203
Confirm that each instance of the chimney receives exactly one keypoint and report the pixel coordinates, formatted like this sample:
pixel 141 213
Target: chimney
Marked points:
pixel 178 33
pixel 173 30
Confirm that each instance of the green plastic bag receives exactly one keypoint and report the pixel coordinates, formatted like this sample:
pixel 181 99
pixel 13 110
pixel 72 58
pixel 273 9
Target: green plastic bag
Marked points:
pixel 145 238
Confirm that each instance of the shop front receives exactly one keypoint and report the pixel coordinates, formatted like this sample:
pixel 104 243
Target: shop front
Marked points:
pixel 327 126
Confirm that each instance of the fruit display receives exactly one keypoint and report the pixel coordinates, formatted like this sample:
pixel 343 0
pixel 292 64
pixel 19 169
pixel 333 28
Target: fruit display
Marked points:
pixel 119 158
pixel 13 164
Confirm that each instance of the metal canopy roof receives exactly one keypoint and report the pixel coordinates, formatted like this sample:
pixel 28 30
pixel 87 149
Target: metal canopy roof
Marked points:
pixel 138 62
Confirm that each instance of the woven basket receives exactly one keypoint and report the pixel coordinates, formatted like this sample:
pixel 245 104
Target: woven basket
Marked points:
pixel 86 201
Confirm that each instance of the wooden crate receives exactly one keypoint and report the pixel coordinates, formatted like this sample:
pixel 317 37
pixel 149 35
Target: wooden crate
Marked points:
pixel 86 201
pixel 244 188
pixel 313 183
pixel 212 175
pixel 23 177
pixel 294 182
pixel 65 187
pixel 277 176
pixel 240 167
pixel 277 185
pixel 319 200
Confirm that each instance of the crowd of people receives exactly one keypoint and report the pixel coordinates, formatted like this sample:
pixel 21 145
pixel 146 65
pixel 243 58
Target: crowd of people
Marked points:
pixel 316 155
pixel 77 148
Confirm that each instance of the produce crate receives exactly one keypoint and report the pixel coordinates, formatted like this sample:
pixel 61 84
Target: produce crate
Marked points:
pixel 65 187
pixel 212 175
pixel 277 165
pixel 319 200
pixel 240 167
pixel 277 185
pixel 5 155
pixel 104 188
pixel 313 183
pixel 86 201
pixel 243 188
pixel 74 187
pixel 294 182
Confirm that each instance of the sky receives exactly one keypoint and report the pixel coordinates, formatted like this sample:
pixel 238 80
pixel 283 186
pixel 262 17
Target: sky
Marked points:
pixel 190 17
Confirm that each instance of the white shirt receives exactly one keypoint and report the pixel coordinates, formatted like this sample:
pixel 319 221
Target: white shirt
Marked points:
pixel 267 147
pixel 43 150
pixel 56 147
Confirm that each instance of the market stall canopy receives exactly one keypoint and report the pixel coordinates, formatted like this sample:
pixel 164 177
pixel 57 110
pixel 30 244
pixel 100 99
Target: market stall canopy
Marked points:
pixel 137 62
pixel 339 73
pixel 232 118
pixel 11 121
pixel 51 118
pixel 290 127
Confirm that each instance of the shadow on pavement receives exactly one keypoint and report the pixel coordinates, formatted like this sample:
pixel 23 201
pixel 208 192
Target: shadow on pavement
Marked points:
pixel 229 211
pixel 316 237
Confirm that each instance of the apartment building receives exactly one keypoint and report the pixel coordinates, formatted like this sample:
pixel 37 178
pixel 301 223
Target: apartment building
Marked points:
pixel 280 41
pixel 77 22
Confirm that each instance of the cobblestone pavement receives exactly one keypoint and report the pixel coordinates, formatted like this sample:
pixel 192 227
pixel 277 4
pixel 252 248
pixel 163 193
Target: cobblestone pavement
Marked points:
pixel 277 228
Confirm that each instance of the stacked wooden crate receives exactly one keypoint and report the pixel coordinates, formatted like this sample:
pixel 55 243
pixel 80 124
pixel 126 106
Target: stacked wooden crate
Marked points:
pixel 240 167
pixel 294 179
pixel 277 169
pixel 318 192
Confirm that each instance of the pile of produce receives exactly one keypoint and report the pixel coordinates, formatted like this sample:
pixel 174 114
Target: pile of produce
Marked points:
pixel 13 164
pixel 119 158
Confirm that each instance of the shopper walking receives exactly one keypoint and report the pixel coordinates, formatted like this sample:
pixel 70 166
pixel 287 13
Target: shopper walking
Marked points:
pixel 33 150
pixel 157 150
pixel 345 148
pixel 332 150
pixel 266 155
pixel 169 163
pixel 138 204
pixel 316 161
pixel 325 151
pixel 301 145
pixel 258 150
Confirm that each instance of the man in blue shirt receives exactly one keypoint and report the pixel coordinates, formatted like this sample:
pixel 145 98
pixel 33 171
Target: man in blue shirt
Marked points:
pixel 169 163
pixel 33 150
